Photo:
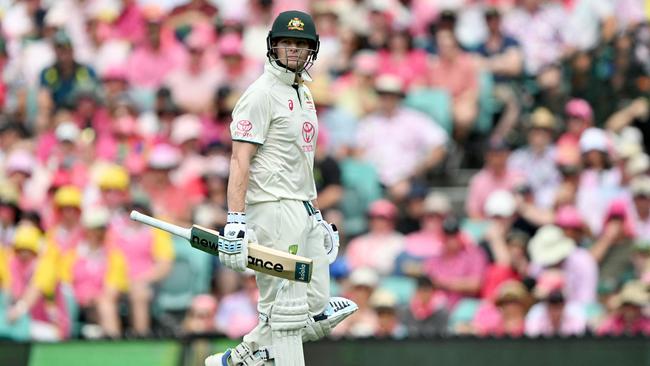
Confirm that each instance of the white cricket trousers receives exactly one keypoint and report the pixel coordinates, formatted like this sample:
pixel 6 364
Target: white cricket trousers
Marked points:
pixel 279 225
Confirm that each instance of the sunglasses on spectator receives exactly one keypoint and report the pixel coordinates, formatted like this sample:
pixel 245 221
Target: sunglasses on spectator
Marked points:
pixel 200 314
pixel 381 217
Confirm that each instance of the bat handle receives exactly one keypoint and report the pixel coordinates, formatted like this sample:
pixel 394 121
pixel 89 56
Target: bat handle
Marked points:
pixel 162 225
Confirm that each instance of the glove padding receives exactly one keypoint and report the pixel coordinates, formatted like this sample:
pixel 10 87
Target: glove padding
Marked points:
pixel 331 242
pixel 237 232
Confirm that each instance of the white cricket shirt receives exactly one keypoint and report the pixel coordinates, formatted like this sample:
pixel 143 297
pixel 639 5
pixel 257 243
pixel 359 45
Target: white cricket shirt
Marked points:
pixel 282 120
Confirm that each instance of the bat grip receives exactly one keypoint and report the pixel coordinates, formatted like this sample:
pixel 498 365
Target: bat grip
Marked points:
pixel 162 225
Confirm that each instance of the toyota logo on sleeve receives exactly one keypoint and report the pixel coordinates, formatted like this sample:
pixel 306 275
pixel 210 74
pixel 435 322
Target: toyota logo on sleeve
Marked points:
pixel 308 132
pixel 244 125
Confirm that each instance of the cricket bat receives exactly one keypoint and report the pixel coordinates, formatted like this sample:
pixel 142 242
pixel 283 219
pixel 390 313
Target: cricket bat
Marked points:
pixel 261 259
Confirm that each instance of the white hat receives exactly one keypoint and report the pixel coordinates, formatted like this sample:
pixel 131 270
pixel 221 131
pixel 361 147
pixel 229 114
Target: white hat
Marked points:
pixel 500 203
pixel 364 277
pixel 638 164
pixel 436 202
pixel 67 131
pixel 95 217
pixel 549 246
pixel 627 149
pixel 593 139
pixel 383 298
pixel 185 127
pixel 640 186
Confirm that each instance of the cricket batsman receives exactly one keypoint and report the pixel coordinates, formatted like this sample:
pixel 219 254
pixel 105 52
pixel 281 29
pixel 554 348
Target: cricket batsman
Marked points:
pixel 272 201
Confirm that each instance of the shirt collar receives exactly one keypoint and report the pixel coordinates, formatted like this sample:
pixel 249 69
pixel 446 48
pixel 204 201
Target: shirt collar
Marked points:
pixel 287 77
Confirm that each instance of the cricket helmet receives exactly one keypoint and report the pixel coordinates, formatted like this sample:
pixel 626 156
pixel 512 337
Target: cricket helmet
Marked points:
pixel 293 24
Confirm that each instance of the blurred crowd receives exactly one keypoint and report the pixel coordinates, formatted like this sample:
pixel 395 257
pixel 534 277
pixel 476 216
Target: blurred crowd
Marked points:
pixel 485 161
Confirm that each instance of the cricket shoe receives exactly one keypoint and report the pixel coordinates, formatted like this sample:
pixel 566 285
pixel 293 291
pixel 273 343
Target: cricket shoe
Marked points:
pixel 319 326
pixel 218 359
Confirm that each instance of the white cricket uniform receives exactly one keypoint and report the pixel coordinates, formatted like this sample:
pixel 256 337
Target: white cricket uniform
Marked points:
pixel 282 120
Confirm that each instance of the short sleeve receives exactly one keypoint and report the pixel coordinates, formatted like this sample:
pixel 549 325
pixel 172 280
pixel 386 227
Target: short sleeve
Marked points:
pixel 116 274
pixel 4 270
pixel 46 275
pixel 163 248
pixel 251 117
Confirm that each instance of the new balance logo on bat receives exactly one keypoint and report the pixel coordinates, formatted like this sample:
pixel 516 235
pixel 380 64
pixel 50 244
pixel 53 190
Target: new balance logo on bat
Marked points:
pixel 265 264
pixel 205 243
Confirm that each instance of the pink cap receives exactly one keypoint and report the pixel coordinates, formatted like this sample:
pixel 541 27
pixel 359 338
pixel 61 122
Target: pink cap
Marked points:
pixel 114 72
pixel 579 108
pixel 365 63
pixel 230 44
pixel 568 217
pixel 383 208
pixel 568 154
pixel 549 281
pixel 20 161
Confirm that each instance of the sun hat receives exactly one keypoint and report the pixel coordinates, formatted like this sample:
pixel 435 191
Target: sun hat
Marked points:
pixel 549 246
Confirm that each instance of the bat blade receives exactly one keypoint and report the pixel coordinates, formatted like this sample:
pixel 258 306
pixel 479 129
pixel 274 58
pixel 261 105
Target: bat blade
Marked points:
pixel 260 258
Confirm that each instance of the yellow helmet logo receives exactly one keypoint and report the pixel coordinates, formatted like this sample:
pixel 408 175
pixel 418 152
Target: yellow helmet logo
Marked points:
pixel 296 24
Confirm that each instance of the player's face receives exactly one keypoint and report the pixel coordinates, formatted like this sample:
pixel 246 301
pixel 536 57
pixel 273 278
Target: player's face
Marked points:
pixel 292 52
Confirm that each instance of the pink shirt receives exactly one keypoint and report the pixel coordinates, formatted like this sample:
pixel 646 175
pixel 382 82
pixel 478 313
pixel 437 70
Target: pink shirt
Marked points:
pixel 88 275
pixel 538 323
pixel 375 251
pixel 423 243
pixel 147 68
pixel 412 68
pixel 469 263
pixel 395 145
pixel 606 185
pixel 489 321
pixel 615 325
pixel 136 242
pixel 457 77
pixel 483 184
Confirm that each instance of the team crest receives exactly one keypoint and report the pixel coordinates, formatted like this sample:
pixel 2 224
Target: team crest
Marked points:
pixel 296 24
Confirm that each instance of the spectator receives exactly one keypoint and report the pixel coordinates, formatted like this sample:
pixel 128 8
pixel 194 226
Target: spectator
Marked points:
pixel 614 246
pixel 200 316
pixel 427 313
pixel 505 314
pixel 417 144
pixel 554 315
pixel 456 72
pixel 355 91
pixel 502 57
pixel 550 248
pixel 237 313
pixel 155 56
pixel 567 159
pixel 97 273
pixel 193 85
pixel 149 256
pixel 598 179
pixel 459 268
pixel 364 322
pixel 59 81
pixel 382 239
pixel 540 153
pixel 168 199
pixel 389 325
pixel 237 70
pixel 504 243
pixel 640 210
pixel 569 220
pixel 34 287
pixel 579 117
pixel 186 132
pixel 65 233
pixel 401 59
pixel 9 215
pixel 627 317
pixel 327 174
pixel 426 242
pixel 537 25
pixel 494 175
